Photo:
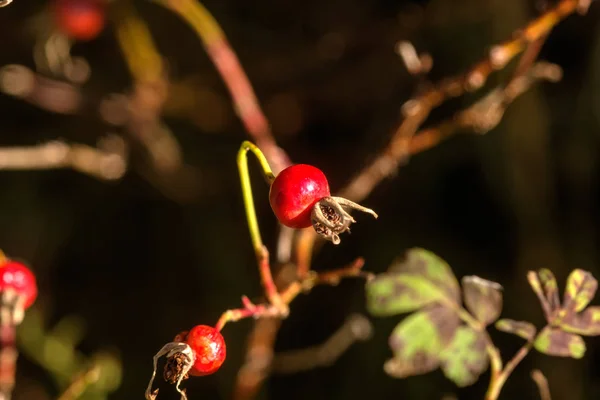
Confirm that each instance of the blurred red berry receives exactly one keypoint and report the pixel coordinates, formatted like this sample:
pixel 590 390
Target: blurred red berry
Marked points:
pixel 80 19
pixel 16 276
pixel 209 347
pixel 295 191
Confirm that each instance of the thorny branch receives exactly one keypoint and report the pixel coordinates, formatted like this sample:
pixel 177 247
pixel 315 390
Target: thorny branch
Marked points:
pixel 408 140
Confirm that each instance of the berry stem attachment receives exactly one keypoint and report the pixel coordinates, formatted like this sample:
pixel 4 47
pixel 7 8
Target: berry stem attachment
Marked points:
pixel 265 310
pixel 262 254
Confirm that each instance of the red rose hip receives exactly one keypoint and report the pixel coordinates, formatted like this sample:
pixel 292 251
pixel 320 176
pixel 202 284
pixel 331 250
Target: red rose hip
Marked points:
pixel 295 191
pixel 300 197
pixel 209 349
pixel 80 19
pixel 16 277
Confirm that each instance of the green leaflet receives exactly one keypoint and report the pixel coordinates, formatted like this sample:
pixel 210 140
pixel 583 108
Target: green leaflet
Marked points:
pixel 482 298
pixel 426 264
pixel 465 359
pixel 580 290
pixel 586 323
pixel 391 294
pixel 555 342
pixel 523 329
pixel 418 340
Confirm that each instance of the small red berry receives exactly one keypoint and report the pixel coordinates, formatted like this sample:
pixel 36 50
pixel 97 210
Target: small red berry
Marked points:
pixel 209 348
pixel 19 278
pixel 80 19
pixel 295 191
pixel 300 197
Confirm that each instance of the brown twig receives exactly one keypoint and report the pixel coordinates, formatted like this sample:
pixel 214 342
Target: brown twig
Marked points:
pixel 268 310
pixel 80 383
pixel 8 359
pixel 542 384
pixel 228 65
pixel 407 139
pixel 416 111
pixel 103 163
pixel 356 328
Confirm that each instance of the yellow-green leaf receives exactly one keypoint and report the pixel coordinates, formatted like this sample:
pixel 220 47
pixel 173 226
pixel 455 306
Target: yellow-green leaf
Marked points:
pixel 550 287
pixel 580 290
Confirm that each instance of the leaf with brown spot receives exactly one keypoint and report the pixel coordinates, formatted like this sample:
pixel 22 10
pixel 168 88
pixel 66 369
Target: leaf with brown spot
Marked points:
pixel 424 263
pixel 465 358
pixel 555 342
pixel 483 298
pixel 550 286
pixel 418 340
pixel 534 281
pixel 522 329
pixel 580 290
pixel 390 294
pixel 585 323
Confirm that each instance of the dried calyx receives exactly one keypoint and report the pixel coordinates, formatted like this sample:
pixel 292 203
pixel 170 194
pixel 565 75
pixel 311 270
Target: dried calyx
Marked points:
pixel 330 218
pixel 180 359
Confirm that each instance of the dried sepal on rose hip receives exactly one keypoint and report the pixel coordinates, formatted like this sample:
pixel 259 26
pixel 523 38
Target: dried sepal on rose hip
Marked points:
pixel 198 352
pixel 18 291
pixel 300 197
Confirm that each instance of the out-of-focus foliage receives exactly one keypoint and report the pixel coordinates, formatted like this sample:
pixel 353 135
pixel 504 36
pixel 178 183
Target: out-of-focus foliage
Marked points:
pixel 434 335
pixel 55 350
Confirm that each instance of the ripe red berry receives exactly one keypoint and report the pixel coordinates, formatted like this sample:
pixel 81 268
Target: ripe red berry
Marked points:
pixel 295 191
pixel 19 278
pixel 80 19
pixel 209 348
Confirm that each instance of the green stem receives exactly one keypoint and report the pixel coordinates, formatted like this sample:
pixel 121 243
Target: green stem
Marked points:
pixel 262 255
pixel 497 384
pixel 242 162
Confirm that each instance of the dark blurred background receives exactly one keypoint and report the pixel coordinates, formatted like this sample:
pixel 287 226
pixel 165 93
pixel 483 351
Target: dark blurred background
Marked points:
pixel 138 265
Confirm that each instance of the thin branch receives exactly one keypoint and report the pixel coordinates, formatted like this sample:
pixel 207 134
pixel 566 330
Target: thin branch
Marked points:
pixel 225 60
pixel 542 384
pixel 269 310
pixel 356 328
pixel 417 109
pixel 486 113
pixel 86 378
pixel 407 139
